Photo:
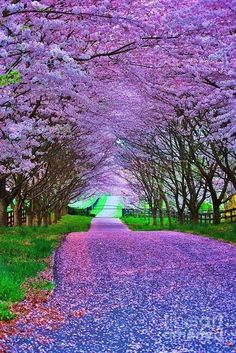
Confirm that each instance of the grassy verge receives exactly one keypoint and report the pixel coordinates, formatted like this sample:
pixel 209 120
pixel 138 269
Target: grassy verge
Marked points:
pixel 119 210
pixel 24 252
pixel 100 205
pixel 84 204
pixel 224 231
pixel 141 223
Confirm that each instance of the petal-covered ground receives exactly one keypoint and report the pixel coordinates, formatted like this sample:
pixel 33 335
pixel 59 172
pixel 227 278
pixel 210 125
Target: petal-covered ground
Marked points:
pixel 125 292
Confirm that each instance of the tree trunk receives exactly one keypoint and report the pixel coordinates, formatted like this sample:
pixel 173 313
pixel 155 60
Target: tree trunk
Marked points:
pixel 64 210
pixel 17 213
pixel 29 219
pixel 216 214
pixel 59 214
pixel 56 215
pixel 45 220
pixel 194 216
pixel 39 220
pixel 168 210
pixel 154 217
pixel 29 214
pixel 17 217
pixel 161 217
pixel 3 213
pixel 216 207
pixel 169 215
pixel 181 217
pixel 49 218
pixel 34 220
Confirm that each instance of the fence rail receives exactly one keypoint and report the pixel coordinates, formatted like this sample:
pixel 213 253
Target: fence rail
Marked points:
pixel 204 217
pixel 138 212
pixel 10 218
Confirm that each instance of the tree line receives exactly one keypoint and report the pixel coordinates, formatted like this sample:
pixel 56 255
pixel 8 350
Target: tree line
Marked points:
pixel 59 172
pixel 177 165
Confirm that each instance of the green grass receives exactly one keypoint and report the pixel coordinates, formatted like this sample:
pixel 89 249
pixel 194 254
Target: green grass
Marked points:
pixel 86 203
pixel 83 203
pixel 39 284
pixel 5 311
pixel 224 231
pixel 100 205
pixel 119 210
pixel 23 251
pixel 142 223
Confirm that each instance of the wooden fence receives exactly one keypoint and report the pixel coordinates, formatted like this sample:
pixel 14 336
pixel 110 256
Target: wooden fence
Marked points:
pixel 136 212
pixel 204 217
pixel 10 218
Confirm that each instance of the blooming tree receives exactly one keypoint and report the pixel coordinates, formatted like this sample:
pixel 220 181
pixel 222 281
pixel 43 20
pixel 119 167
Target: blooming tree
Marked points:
pixel 75 76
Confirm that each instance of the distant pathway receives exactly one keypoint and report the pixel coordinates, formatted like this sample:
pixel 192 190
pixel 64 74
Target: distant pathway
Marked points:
pixel 136 292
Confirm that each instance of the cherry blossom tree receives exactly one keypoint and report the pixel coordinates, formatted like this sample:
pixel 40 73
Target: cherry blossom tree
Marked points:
pixel 83 74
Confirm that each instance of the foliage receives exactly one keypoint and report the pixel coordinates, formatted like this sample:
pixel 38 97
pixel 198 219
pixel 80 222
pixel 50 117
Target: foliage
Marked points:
pixel 83 203
pixel 75 211
pixel 100 205
pixel 160 82
pixel 206 207
pixel 11 77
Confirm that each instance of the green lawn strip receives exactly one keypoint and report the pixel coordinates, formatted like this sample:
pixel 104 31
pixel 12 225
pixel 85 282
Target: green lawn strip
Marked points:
pixel 100 205
pixel 119 210
pixel 84 203
pixel 23 253
pixel 224 231
pixel 143 223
